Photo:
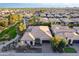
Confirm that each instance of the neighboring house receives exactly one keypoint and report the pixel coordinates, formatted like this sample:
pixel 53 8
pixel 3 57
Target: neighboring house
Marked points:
pixel 61 29
pixel 45 20
pixel 72 37
pixel 76 29
pixel 58 16
pixel 76 20
pixel 54 21
pixel 67 21
pixel 50 16
pixel 42 14
pixel 36 32
pixel 26 20
pixel 75 15
pixel 37 13
pixel 66 33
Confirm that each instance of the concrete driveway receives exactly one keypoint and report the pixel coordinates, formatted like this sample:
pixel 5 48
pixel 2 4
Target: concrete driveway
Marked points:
pixel 46 48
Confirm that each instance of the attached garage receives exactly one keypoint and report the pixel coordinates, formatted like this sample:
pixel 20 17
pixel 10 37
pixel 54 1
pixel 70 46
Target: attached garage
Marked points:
pixel 45 41
pixel 76 41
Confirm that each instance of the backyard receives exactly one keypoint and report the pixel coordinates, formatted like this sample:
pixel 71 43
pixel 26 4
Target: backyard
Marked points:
pixel 8 33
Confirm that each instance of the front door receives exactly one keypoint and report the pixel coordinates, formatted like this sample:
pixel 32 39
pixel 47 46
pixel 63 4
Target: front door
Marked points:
pixel 31 42
pixel 37 41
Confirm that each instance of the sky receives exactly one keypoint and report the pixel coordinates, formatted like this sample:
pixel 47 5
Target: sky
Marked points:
pixel 37 5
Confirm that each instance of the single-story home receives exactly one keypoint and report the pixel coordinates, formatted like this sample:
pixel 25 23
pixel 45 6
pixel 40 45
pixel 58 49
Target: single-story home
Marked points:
pixel 75 15
pixel 45 20
pixel 36 34
pixel 67 21
pixel 50 16
pixel 72 37
pixel 42 14
pixel 54 21
pixel 61 29
pixel 66 33
pixel 76 20
pixel 58 16
pixel 76 29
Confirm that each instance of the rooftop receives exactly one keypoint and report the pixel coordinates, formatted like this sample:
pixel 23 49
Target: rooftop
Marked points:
pixel 41 32
pixel 44 20
pixel 66 20
pixel 61 29
pixel 54 20
pixel 75 19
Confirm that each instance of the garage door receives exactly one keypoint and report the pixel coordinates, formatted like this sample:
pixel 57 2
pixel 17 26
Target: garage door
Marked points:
pixel 45 41
pixel 76 41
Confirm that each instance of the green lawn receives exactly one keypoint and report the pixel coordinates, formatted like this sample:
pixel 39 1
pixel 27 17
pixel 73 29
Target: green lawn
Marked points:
pixel 8 34
pixel 41 24
pixel 69 50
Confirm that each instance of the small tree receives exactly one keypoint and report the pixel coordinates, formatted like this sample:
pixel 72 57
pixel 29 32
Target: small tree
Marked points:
pixel 21 27
pixel 54 45
pixel 61 45
pixel 58 44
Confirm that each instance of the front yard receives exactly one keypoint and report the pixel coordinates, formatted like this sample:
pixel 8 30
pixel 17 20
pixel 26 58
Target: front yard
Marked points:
pixel 62 47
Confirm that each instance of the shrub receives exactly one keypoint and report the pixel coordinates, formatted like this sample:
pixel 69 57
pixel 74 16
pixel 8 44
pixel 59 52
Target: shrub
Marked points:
pixel 61 45
pixel 69 50
pixel 58 45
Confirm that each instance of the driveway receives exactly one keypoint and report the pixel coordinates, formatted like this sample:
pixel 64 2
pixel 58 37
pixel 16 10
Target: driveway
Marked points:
pixel 46 48
pixel 76 47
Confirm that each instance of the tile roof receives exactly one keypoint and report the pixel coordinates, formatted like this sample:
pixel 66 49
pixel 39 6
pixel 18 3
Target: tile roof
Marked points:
pixel 41 32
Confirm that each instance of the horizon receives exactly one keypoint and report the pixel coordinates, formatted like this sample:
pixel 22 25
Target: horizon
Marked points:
pixel 37 5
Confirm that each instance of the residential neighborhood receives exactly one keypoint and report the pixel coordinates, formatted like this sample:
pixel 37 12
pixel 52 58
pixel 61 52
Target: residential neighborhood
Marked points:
pixel 39 30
